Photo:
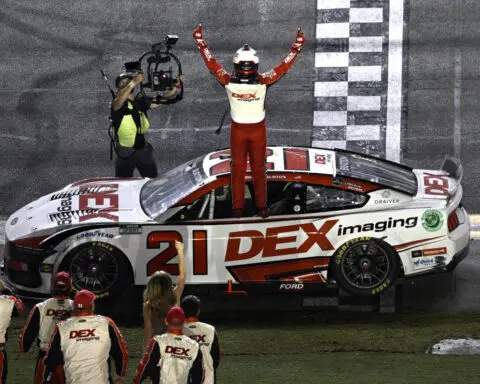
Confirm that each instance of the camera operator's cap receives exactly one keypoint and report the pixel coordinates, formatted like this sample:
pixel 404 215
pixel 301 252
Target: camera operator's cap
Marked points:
pixel 175 316
pixel 84 299
pixel 62 282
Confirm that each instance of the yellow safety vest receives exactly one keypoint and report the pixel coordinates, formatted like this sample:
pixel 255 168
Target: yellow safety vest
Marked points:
pixel 128 129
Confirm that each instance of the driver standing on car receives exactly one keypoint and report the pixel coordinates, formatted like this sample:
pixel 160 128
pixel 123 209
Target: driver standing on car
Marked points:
pixel 246 90
pixel 130 121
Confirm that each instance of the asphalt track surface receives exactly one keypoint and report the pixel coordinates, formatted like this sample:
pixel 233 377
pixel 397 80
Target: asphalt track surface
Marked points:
pixel 54 104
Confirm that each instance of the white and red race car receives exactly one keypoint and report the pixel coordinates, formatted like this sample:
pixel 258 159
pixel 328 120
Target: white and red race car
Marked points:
pixel 334 215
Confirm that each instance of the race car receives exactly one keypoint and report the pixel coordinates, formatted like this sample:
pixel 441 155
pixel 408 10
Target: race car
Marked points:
pixel 336 217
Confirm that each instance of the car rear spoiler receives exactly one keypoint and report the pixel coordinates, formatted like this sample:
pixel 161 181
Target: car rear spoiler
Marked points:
pixel 454 168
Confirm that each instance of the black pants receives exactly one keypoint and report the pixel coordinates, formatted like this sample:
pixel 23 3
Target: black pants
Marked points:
pixel 127 159
pixel 3 365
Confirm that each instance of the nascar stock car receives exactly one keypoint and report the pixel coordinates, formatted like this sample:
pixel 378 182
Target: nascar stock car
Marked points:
pixel 335 216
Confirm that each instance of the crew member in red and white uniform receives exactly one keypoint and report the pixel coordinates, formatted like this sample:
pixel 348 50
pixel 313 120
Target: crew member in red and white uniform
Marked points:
pixel 246 91
pixel 8 304
pixel 172 358
pixel 84 343
pixel 204 334
pixel 42 320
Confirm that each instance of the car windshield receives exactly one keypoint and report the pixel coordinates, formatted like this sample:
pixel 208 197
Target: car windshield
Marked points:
pixel 157 195
pixel 391 175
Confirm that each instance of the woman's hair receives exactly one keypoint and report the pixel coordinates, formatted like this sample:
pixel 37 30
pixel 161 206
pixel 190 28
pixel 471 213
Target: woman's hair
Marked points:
pixel 158 295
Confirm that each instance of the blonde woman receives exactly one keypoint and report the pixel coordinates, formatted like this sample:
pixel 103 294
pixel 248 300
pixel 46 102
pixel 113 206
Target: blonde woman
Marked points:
pixel 160 295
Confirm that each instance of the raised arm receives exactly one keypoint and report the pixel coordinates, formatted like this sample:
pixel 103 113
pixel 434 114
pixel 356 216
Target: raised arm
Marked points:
pixel 178 290
pixel 29 332
pixel 212 65
pixel 281 69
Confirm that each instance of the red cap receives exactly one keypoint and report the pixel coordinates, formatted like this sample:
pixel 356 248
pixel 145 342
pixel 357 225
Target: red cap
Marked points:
pixel 175 316
pixel 84 299
pixel 62 282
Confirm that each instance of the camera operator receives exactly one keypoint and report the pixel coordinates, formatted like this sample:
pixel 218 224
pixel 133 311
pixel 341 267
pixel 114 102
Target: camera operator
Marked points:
pixel 130 121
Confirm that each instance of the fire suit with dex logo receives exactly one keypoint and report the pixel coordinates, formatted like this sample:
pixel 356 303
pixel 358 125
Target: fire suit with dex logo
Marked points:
pixel 42 320
pixel 246 91
pixel 8 304
pixel 84 343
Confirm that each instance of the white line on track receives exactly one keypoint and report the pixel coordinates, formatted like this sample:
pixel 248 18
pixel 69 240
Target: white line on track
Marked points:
pixel 17 137
pixel 213 128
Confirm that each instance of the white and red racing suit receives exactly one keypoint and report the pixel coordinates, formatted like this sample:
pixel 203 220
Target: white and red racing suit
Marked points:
pixel 171 358
pixel 40 325
pixel 206 337
pixel 83 344
pixel 7 306
pixel 247 110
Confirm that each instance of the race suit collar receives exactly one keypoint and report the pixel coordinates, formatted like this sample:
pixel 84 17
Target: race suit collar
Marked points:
pixel 79 314
pixel 175 331
pixel 191 319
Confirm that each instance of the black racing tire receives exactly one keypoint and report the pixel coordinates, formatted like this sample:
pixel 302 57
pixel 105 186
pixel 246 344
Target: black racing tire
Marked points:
pixel 365 266
pixel 104 270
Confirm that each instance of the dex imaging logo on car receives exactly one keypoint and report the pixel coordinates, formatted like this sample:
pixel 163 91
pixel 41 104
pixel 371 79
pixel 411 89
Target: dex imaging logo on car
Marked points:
pixel 268 245
pixel 379 226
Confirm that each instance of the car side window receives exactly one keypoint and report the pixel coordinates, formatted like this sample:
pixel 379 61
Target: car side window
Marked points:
pixel 320 198
pixel 286 198
pixel 223 202
pixel 197 210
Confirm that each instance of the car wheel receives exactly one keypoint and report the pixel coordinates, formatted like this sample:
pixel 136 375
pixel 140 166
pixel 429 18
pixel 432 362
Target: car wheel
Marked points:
pixel 365 266
pixel 104 270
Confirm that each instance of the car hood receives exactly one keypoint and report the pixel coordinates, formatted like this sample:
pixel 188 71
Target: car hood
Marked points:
pixel 92 201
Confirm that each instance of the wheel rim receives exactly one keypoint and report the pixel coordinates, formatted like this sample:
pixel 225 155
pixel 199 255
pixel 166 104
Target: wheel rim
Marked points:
pixel 95 269
pixel 365 265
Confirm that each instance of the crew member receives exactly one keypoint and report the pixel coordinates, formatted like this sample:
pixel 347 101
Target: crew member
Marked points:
pixel 172 358
pixel 204 334
pixel 130 121
pixel 8 304
pixel 246 90
pixel 42 320
pixel 84 343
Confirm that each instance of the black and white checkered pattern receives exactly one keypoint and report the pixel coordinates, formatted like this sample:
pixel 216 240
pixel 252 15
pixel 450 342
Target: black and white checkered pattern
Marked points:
pixel 352 76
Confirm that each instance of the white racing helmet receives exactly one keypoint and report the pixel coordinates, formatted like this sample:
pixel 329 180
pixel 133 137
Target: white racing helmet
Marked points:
pixel 245 63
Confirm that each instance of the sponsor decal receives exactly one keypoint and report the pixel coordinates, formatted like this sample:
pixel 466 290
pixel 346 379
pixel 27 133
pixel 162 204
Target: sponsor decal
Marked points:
pixel 103 188
pixel 379 226
pixel 270 74
pixel 58 314
pixel 353 186
pixel 178 352
pixel 267 244
pixel 200 339
pixel 245 96
pixel 14 221
pixel 436 185
pixel 424 262
pixel 130 229
pixel 84 335
pixel 276 177
pixel 387 201
pixel 94 234
pixel 432 220
pixel 381 287
pixel 337 182
pixel 320 159
pixel 291 287
pixel 105 204
pixel 429 252
pixel 289 58
pixel 45 268
pixel 208 54
pixel 386 194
